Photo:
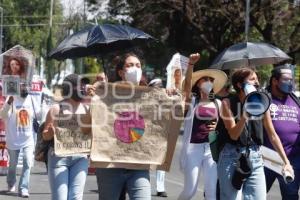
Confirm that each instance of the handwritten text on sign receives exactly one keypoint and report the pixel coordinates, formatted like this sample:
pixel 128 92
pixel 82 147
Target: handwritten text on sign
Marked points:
pixel 69 140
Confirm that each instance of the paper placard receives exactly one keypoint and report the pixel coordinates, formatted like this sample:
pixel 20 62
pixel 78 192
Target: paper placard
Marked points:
pixel 134 127
pixel 68 138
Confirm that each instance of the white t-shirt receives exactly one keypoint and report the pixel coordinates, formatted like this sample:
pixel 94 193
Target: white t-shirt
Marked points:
pixel 18 119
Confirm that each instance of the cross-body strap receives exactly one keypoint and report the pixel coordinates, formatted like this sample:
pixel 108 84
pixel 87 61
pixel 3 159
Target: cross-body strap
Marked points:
pixel 33 106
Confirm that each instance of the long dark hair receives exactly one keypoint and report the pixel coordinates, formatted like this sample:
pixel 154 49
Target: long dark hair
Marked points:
pixel 120 61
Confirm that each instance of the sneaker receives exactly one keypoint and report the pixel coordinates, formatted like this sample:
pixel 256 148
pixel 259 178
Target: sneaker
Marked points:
pixel 11 188
pixel 162 194
pixel 24 194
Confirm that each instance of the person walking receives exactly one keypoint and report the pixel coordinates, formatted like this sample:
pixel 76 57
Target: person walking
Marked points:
pixel 18 115
pixel 67 174
pixel 285 112
pixel 201 118
pixel 240 164
pixel 112 181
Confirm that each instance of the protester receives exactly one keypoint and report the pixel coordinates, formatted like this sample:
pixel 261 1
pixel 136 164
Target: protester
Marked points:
pixel 67 174
pixel 201 118
pixel 111 181
pixel 240 165
pixel 160 174
pixel 15 67
pixel 3 149
pixel 285 112
pixel 19 137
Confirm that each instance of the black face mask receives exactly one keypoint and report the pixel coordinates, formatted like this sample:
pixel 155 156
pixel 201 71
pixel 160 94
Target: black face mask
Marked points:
pixel 23 93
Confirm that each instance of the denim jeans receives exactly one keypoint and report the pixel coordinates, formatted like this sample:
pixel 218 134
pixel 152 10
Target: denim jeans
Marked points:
pixel 288 191
pixel 67 176
pixel 12 169
pixel 254 187
pixel 111 181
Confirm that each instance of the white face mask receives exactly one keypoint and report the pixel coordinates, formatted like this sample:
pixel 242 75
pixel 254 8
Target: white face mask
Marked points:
pixel 133 74
pixel 206 87
pixel 248 88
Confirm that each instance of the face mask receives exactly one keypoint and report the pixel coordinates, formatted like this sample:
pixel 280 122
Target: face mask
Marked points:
pixel 206 87
pixel 23 93
pixel 248 88
pixel 134 75
pixel 286 87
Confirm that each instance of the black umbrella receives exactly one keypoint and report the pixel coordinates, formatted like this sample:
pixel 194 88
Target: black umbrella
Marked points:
pixel 98 40
pixel 249 54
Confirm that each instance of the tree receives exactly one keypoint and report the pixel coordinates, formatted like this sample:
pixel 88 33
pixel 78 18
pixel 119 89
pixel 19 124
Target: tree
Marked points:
pixel 212 25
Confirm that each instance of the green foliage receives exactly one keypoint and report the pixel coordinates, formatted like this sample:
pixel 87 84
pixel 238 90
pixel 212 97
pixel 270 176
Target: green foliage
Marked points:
pixel 209 25
pixel 264 74
pixel 26 19
pixel 92 66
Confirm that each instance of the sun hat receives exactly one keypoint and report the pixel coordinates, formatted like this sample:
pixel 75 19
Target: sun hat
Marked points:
pixel 220 78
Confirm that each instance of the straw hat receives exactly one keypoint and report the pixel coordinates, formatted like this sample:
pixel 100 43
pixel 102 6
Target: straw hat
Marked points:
pixel 220 78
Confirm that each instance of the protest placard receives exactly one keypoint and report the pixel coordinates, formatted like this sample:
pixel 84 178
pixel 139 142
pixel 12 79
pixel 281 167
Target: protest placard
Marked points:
pixel 272 160
pixel 68 139
pixel 134 127
pixel 11 85
pixel 176 71
pixel 18 61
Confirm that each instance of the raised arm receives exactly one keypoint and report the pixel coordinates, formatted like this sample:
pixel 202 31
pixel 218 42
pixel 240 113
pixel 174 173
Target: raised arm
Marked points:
pixel 6 107
pixel 49 128
pixel 193 59
pixel 86 120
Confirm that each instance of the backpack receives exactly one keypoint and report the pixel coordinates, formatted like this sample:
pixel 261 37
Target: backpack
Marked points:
pixel 42 146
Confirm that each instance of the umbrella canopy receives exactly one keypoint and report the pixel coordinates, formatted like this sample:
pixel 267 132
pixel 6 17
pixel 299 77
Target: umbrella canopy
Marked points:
pixel 99 40
pixel 249 54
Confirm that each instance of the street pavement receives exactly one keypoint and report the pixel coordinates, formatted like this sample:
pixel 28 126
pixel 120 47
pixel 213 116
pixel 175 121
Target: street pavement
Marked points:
pixel 39 186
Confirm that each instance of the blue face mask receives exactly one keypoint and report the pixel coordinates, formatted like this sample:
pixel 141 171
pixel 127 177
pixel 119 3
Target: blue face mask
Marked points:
pixel 286 87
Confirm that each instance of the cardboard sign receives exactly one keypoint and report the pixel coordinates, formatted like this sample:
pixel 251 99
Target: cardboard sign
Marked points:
pixel 176 70
pixel 68 139
pixel 272 160
pixel 18 61
pixel 134 127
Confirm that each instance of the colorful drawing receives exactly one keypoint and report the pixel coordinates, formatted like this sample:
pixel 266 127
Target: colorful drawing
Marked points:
pixel 23 118
pixel 129 127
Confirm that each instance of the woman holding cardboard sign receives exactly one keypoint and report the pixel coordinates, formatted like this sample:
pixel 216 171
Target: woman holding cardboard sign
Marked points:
pixel 67 174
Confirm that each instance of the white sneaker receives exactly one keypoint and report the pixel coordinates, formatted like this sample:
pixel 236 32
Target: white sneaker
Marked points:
pixel 11 188
pixel 24 194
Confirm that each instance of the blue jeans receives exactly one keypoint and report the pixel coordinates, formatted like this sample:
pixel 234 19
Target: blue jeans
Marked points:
pixel 254 187
pixel 67 176
pixel 12 169
pixel 288 191
pixel 111 181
